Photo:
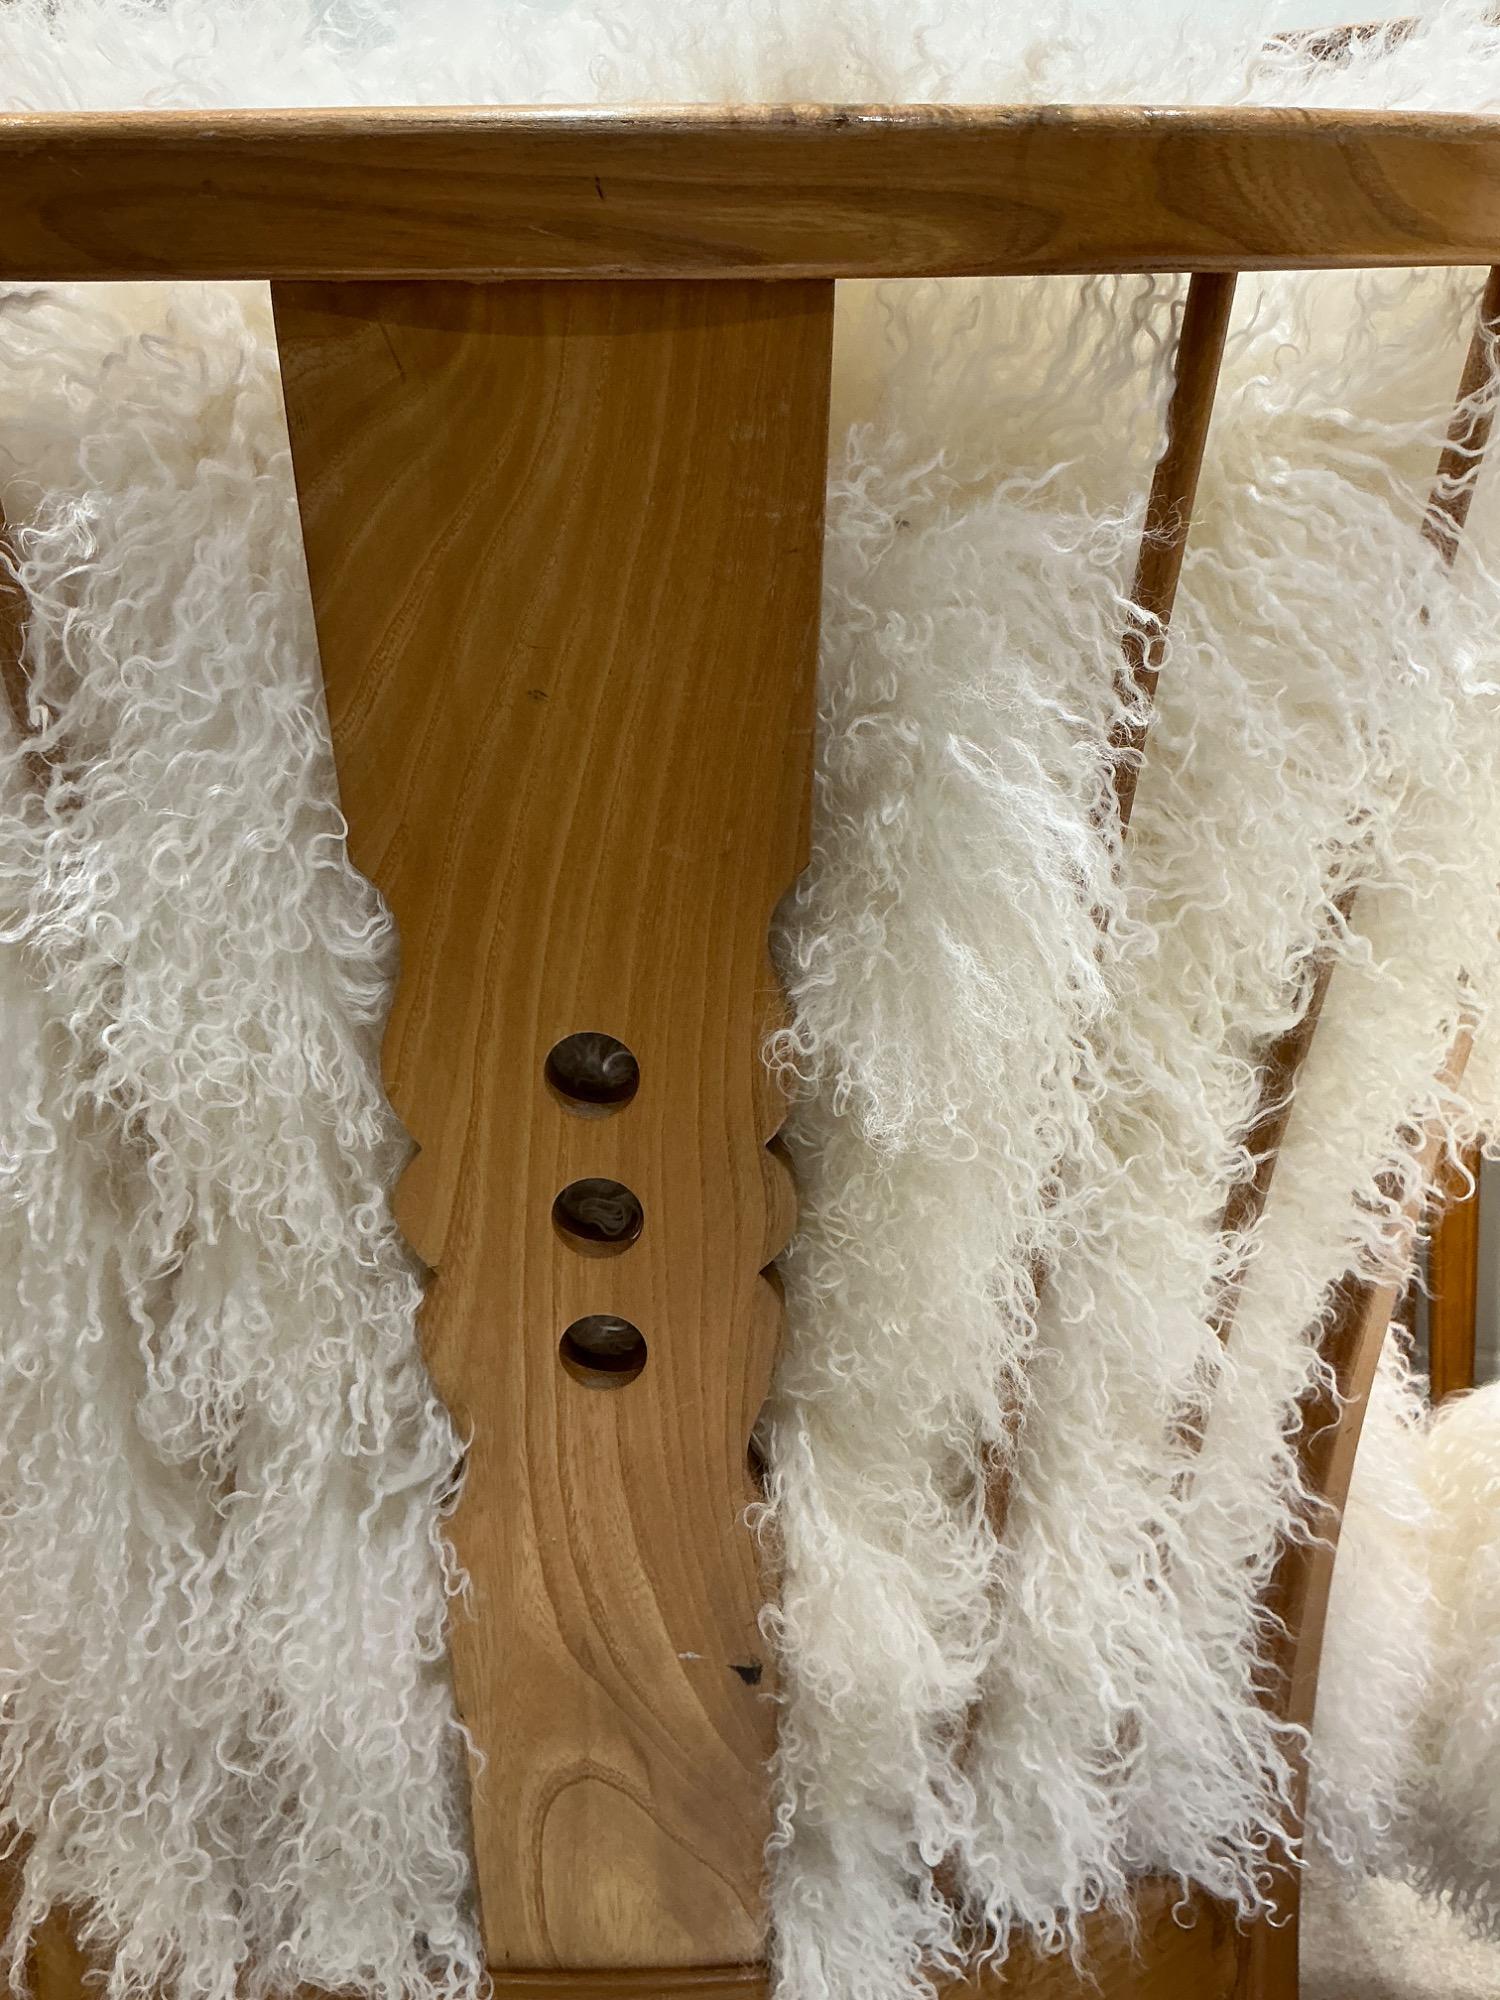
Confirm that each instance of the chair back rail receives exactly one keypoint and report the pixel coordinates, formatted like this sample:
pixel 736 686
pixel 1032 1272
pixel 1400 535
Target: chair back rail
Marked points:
pixel 846 191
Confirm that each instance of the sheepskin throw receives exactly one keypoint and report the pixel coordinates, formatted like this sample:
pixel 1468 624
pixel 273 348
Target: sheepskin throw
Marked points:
pixel 226 1736
pixel 1451 1829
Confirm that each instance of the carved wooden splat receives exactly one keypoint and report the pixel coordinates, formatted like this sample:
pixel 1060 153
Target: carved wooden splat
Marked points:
pixel 564 544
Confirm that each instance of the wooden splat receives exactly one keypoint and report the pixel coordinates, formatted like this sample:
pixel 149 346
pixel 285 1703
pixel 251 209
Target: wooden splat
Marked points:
pixel 565 544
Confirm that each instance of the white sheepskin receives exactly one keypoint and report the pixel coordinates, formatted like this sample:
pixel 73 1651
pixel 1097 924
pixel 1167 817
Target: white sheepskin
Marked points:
pixel 1406 1771
pixel 1382 1941
pixel 1019 1052
pixel 227 1730
pixel 1114 1080
pixel 1379 1647
pixel 1451 1837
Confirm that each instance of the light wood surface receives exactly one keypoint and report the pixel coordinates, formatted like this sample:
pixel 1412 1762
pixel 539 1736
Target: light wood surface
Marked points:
pixel 565 547
pixel 1453 1279
pixel 827 191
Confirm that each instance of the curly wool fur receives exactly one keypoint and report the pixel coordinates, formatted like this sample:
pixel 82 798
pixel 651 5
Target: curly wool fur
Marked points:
pixel 944 969
pixel 226 1716
pixel 1378 1653
pixel 1407 1747
pixel 1450 1840
pixel 1281 773
pixel 994 1083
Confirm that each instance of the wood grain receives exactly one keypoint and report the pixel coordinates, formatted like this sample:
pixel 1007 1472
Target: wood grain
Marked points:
pixel 565 545
pixel 825 191
pixel 1453 1277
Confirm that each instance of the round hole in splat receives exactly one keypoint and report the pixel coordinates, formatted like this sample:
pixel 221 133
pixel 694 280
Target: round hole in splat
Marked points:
pixel 592 1073
pixel 602 1351
pixel 598 1216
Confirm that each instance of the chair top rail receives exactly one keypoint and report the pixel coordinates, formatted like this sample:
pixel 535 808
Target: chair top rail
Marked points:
pixel 772 192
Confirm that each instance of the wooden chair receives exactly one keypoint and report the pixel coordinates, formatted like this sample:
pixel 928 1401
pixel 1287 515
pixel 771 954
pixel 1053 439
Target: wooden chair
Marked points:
pixel 557 384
